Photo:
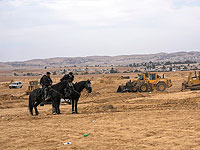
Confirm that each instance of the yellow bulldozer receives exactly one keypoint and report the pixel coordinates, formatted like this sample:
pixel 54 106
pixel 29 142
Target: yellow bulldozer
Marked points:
pixel 32 86
pixel 193 82
pixel 146 82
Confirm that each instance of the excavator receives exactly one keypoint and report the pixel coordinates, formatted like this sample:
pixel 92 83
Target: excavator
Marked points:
pixel 146 82
pixel 193 82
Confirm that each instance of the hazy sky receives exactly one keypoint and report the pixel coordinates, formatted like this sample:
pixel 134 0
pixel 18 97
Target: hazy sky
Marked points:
pixel 50 28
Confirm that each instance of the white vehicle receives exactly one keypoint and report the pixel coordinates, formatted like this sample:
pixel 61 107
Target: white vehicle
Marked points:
pixel 15 85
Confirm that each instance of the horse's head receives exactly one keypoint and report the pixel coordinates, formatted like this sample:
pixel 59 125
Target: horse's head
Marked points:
pixel 88 86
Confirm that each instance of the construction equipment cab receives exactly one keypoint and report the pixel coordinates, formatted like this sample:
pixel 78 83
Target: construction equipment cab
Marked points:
pixel 143 76
pixel 159 83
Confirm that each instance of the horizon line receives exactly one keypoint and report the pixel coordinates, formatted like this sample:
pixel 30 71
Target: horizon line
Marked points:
pixel 181 51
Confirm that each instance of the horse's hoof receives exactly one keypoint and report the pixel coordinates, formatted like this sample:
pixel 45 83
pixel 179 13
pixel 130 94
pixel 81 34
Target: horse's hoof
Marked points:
pixel 54 113
pixel 37 114
pixel 59 113
pixel 77 113
pixel 73 112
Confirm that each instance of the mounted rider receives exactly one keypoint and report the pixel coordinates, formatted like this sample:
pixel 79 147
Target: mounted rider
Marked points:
pixel 46 83
pixel 69 77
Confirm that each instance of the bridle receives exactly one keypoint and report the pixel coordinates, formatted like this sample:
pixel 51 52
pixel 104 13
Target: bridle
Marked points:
pixel 88 85
pixel 70 87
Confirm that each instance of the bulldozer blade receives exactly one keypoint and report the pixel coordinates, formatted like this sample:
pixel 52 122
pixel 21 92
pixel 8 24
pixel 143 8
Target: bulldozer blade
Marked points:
pixel 120 89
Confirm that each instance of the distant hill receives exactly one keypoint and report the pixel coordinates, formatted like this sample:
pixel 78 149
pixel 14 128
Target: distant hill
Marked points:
pixel 103 60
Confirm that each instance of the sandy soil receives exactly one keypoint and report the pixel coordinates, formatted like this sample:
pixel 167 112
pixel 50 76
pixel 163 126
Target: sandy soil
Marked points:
pixel 157 120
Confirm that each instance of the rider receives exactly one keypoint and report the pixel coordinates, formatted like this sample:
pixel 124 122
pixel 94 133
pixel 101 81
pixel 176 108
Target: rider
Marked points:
pixel 46 83
pixel 69 77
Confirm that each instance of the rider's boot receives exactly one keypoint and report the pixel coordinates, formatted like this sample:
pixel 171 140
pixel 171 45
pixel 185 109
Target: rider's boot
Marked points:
pixel 44 98
pixel 46 95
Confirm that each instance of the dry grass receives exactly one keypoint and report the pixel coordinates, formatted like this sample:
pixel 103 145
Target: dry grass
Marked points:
pixel 157 120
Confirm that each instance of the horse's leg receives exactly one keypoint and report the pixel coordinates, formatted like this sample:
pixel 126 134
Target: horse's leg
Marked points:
pixel 73 112
pixel 58 107
pixel 35 107
pixel 76 103
pixel 31 110
pixel 30 105
pixel 53 107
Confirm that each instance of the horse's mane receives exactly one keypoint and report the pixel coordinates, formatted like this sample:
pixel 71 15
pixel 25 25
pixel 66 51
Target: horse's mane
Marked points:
pixel 79 86
pixel 81 82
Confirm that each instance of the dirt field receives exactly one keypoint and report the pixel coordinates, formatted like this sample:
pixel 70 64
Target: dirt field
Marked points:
pixel 157 120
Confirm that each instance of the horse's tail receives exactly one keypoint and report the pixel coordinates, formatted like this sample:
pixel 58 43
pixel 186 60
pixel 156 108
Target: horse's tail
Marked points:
pixel 30 104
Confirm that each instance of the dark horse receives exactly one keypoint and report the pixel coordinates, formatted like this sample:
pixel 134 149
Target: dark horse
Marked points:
pixel 57 92
pixel 78 88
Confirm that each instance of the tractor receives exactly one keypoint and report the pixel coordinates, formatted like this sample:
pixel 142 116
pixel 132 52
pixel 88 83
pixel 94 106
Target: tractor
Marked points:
pixel 32 85
pixel 146 82
pixel 193 82
pixel 159 83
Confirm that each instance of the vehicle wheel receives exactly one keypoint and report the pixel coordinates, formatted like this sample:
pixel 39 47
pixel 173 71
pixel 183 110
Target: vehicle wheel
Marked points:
pixel 143 88
pixel 161 87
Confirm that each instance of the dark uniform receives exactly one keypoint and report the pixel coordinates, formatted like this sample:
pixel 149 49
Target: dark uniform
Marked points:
pixel 46 83
pixel 68 77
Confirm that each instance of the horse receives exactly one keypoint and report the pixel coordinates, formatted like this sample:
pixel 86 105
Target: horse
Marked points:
pixel 56 92
pixel 78 88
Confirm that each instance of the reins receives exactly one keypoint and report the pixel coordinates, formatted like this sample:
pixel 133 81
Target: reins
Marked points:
pixel 64 95
pixel 57 92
